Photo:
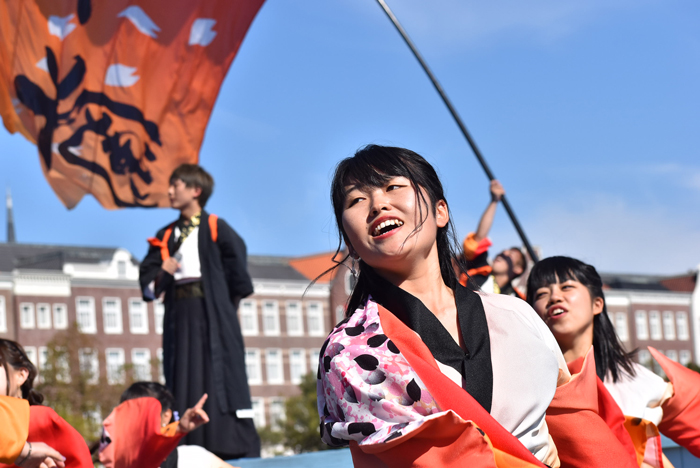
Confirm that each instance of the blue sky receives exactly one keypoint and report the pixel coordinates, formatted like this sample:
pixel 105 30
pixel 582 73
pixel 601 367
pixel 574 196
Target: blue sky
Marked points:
pixel 588 112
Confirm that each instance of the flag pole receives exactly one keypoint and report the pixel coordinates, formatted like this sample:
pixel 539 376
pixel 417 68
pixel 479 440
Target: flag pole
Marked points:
pixel 461 126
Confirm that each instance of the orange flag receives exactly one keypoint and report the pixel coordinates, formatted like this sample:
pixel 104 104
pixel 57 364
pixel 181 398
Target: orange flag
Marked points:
pixel 116 94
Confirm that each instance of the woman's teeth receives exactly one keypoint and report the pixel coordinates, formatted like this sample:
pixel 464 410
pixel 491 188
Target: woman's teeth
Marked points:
pixel 556 312
pixel 386 226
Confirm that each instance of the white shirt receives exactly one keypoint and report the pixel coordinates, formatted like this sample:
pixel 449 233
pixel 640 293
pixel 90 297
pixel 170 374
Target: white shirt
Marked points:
pixel 188 257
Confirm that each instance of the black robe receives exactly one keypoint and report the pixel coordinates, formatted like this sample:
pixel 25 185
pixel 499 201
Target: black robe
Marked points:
pixel 225 281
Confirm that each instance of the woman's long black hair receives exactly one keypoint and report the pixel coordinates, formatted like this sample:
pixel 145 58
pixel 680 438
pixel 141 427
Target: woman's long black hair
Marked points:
pixel 12 354
pixel 374 166
pixel 610 356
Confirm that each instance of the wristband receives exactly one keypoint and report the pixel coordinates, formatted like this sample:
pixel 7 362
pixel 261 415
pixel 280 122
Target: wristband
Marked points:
pixel 19 463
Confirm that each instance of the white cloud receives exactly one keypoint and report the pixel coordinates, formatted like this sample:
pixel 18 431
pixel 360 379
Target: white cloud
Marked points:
pixel 615 237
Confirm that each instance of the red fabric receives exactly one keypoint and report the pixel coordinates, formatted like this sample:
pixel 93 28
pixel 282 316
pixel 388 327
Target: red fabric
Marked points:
pixel 162 244
pixel 137 438
pixel 448 395
pixel 582 437
pixel 48 427
pixel 472 248
pixel 214 227
pixel 608 410
pixel 681 421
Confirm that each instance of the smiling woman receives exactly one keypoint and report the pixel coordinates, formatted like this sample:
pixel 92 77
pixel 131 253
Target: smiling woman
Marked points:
pixel 420 357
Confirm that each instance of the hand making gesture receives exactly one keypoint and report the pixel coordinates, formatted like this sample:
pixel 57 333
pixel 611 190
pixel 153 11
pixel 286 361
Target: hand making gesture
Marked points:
pixel 39 455
pixel 194 417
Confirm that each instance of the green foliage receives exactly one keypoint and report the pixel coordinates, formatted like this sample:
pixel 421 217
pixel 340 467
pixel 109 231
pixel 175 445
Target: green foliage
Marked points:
pixel 78 396
pixel 692 366
pixel 299 431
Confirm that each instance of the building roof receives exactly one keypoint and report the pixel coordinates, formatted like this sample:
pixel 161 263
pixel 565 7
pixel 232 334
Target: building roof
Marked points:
pixel 682 283
pixel 50 257
pixel 263 267
pixel 677 283
pixel 312 266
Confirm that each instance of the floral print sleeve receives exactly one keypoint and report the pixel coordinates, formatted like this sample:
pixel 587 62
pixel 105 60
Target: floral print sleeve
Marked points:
pixel 367 391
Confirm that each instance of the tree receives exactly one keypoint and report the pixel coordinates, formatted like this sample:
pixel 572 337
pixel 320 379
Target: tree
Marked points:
pixel 71 387
pixel 299 431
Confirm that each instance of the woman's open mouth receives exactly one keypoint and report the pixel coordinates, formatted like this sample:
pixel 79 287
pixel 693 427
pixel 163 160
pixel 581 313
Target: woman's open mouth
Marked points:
pixel 386 226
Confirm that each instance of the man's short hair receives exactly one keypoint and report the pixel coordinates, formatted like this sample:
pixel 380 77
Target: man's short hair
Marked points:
pixel 194 176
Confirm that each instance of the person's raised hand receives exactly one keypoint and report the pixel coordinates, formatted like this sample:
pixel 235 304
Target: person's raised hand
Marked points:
pixel 170 265
pixel 194 417
pixel 39 455
pixel 496 190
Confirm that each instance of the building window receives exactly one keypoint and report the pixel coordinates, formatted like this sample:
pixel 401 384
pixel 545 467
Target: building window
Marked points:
pixel 313 359
pixel 61 363
pixel 644 358
pixel 85 314
pixel 249 317
pixel 60 316
pixel 30 351
pixel 3 315
pixel 297 365
pixel 138 317
pixel 141 360
pixel 158 314
pixel 26 315
pixel 43 316
pixel 161 374
pixel 42 357
pixel 655 325
pixel 672 354
pixel 258 405
pixel 273 366
pixel 621 326
pixel 112 315
pixel 271 318
pixel 314 319
pixel 640 320
pixel 685 357
pixel 295 323
pixel 115 365
pixel 252 366
pixel 669 327
pixel 277 415
pixel 121 269
pixel 89 365
pixel 682 326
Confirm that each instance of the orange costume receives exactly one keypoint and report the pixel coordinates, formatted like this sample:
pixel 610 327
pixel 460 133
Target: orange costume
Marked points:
pixel 14 421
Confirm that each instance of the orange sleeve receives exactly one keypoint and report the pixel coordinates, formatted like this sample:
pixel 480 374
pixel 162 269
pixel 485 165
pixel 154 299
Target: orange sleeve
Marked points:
pixel 582 437
pixel 445 441
pixel 472 248
pixel 14 424
pixel 681 420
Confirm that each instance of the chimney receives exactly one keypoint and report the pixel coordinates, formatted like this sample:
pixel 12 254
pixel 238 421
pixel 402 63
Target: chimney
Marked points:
pixel 10 220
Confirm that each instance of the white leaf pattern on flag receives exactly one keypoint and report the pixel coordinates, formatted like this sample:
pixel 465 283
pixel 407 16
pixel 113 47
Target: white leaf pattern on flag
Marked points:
pixel 202 32
pixel 61 26
pixel 140 19
pixel 121 75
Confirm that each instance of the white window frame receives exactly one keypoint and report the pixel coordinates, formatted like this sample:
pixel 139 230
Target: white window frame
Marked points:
pixel 644 358
pixel 121 268
pixel 115 369
pixel 656 331
pixel 88 323
pixel 30 351
pixel 258 405
pixel 27 319
pixel 277 412
pixel 141 366
pixel 158 315
pixel 63 365
pixel 274 359
pixel 248 312
pixel 89 363
pixel 682 326
pixel 314 312
pixel 669 325
pixel 295 313
pixel 314 356
pixel 297 365
pixel 672 354
pixel 117 328
pixel 60 316
pixel 271 317
pixel 3 315
pixel 252 360
pixel 43 316
pixel 641 325
pixel 621 326
pixel 134 328
pixel 42 357
pixel 685 357
pixel 161 374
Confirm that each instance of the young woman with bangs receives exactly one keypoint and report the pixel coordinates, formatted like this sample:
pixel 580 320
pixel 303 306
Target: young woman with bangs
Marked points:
pixel 422 367
pixel 568 295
